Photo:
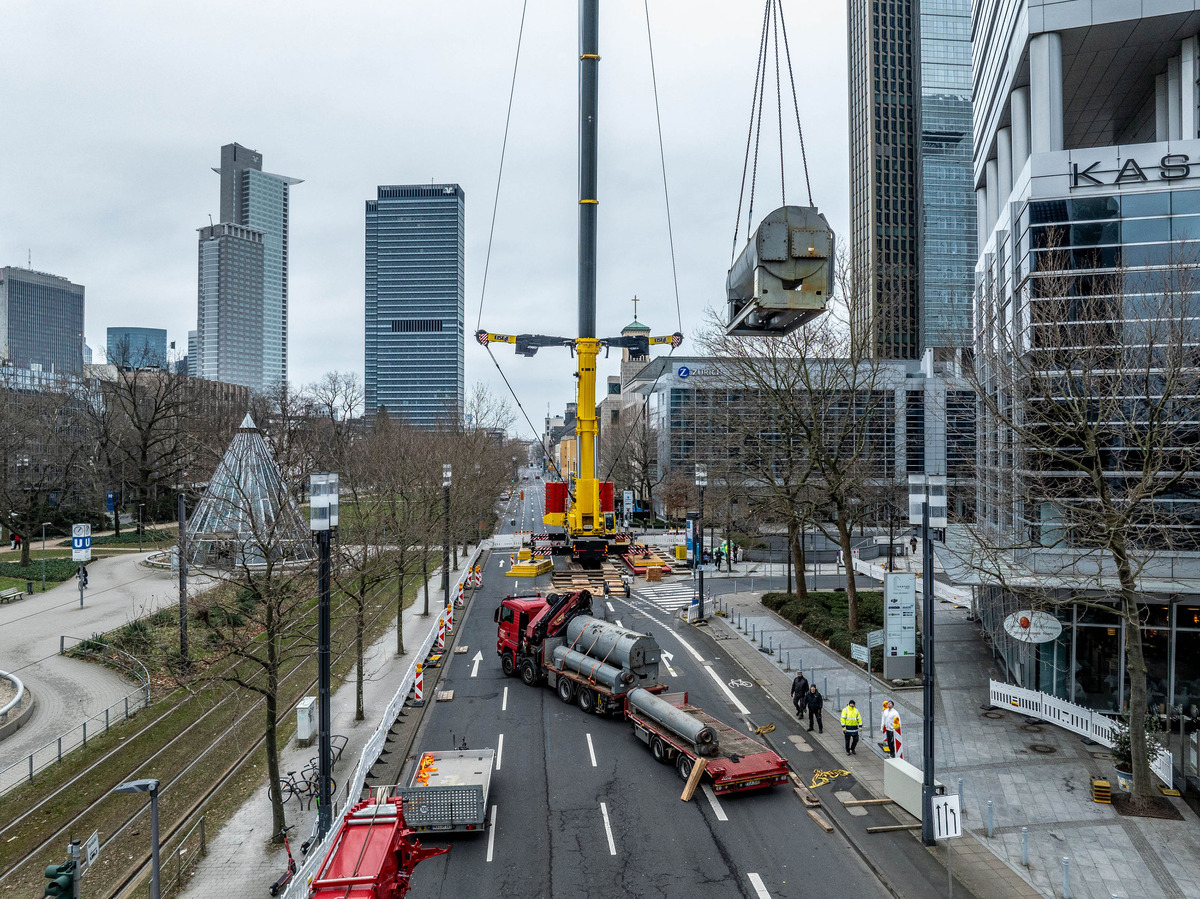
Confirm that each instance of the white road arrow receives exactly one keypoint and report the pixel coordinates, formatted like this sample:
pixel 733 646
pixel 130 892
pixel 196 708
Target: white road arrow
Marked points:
pixel 477 658
pixel 666 657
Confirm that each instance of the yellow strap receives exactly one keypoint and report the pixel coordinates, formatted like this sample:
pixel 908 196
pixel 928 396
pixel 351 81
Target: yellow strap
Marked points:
pixel 592 202
pixel 590 56
pixel 820 777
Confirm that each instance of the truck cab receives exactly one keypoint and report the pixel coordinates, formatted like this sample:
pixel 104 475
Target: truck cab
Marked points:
pixel 513 618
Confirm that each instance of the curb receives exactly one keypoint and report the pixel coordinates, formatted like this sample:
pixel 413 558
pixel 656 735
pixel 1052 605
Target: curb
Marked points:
pixel 22 718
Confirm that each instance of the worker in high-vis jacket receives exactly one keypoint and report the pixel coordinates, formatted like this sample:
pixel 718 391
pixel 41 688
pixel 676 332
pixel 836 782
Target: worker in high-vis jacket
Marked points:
pixel 851 722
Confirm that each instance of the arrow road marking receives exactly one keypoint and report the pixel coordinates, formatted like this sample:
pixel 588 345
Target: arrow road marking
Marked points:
pixel 612 847
pixel 591 750
pixel 477 658
pixel 666 658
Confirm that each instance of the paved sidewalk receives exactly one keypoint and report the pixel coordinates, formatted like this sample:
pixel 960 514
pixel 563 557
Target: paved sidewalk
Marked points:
pixel 241 862
pixel 1035 775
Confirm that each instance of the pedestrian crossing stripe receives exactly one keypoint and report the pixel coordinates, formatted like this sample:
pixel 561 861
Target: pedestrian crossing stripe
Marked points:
pixel 668 597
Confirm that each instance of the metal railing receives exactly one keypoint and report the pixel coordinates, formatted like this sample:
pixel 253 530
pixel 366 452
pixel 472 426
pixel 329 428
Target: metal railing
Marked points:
pixel 1075 718
pixel 371 751
pixel 178 863
pixel 52 752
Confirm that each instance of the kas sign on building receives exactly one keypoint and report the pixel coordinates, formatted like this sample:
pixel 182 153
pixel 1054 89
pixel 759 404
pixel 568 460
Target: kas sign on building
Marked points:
pixel 1123 167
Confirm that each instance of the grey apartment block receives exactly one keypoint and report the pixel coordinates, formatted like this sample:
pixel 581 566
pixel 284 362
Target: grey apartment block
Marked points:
pixel 230 306
pixel 41 321
pixel 414 303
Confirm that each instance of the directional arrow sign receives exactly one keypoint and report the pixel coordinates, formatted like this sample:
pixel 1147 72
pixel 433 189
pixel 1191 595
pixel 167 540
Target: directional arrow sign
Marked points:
pixel 477 658
pixel 666 657
pixel 947 821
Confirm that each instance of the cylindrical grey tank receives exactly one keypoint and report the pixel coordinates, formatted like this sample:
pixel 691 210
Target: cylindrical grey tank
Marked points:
pixel 700 735
pixel 614 678
pixel 616 646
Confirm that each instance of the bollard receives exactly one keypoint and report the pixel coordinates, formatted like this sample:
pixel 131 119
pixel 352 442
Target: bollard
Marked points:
pixel 813 679
pixel 1025 846
pixel 789 660
pixel 960 792
pixel 989 830
pixel 1066 878
pixel 839 698
pixel 753 631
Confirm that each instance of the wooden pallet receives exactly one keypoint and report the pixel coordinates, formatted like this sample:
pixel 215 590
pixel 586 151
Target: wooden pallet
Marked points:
pixel 573 578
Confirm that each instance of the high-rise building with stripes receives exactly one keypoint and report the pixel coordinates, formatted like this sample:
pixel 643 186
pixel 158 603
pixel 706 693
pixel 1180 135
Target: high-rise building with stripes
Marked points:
pixel 415 304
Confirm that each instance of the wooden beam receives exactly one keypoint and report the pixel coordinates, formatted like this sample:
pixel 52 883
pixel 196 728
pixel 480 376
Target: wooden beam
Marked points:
pixel 868 802
pixel 820 819
pixel 693 780
pixel 892 828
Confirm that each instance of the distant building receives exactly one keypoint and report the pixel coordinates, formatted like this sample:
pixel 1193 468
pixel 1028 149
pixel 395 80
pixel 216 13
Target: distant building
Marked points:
pixel 87 355
pixel 254 209
pixel 414 303
pixel 137 347
pixel 41 321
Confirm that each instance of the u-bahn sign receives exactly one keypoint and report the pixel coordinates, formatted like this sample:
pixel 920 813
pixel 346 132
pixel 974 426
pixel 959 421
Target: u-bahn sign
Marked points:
pixel 81 543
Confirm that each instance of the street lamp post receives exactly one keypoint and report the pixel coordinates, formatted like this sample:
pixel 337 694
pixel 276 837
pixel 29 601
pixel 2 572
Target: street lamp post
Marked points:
pixel 141 506
pixel 44 523
pixel 323 518
pixel 701 483
pixel 446 534
pixel 148 786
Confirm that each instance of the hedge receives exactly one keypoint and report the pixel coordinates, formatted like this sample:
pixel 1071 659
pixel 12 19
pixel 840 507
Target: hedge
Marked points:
pixel 823 615
pixel 56 570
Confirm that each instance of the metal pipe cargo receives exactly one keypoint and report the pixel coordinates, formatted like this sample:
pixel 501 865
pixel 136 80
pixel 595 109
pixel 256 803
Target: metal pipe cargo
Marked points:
pixel 614 678
pixel 678 722
pixel 614 645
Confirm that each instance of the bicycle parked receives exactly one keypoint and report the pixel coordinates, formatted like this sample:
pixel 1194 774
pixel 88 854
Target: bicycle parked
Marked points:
pixel 305 786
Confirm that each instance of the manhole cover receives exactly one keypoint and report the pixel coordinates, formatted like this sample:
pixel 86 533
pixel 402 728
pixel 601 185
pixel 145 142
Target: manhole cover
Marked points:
pixel 1044 748
pixel 995 716
pixel 1031 728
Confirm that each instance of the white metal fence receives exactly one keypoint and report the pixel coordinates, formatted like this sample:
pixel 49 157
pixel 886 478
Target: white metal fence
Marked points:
pixel 298 887
pixel 1075 718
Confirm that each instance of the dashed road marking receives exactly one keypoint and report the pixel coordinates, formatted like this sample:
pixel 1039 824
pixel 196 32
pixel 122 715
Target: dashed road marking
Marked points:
pixel 612 847
pixel 499 750
pixel 760 889
pixel 591 750
pixel 492 835
pixel 712 800
pixel 720 683
pixel 504 701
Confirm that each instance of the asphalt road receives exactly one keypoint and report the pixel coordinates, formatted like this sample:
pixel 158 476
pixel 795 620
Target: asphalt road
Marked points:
pixel 580 808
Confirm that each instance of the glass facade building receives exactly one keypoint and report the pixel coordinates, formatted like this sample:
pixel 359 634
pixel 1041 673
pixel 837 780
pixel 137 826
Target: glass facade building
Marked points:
pixel 230 310
pixel 911 209
pixel 137 347
pixel 414 303
pixel 41 321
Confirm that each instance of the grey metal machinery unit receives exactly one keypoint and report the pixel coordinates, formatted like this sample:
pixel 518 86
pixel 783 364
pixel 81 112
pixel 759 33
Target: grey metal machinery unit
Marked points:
pixel 616 646
pixel 677 721
pixel 609 676
pixel 784 276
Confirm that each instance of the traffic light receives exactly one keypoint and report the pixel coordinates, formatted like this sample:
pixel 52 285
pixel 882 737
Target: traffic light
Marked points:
pixel 61 879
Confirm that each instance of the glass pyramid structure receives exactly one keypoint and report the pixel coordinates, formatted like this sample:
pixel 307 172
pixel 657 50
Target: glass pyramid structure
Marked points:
pixel 246 516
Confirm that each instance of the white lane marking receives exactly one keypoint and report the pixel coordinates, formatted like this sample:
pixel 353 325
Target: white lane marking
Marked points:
pixel 619 623
pixel 477 658
pixel 591 750
pixel 612 847
pixel 720 683
pixel 499 750
pixel 610 606
pixel 666 660
pixel 759 887
pixel 504 701
pixel 492 834
pixel 712 800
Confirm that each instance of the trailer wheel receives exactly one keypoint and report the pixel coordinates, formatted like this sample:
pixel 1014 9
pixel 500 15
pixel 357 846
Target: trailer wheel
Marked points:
pixel 658 749
pixel 566 690
pixel 529 672
pixel 683 765
pixel 587 700
pixel 508 665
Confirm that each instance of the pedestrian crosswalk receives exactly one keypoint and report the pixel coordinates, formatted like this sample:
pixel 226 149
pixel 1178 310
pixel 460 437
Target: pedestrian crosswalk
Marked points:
pixel 667 597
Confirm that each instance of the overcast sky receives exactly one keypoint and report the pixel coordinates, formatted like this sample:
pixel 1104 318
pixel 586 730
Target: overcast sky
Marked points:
pixel 115 112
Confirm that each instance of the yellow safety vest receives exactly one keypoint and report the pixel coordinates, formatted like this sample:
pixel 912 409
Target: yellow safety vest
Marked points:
pixel 851 717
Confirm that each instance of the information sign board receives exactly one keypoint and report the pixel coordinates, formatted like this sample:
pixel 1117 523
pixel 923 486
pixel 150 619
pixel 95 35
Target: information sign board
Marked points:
pixel 947 820
pixel 900 625
pixel 81 543
pixel 875 638
pixel 860 653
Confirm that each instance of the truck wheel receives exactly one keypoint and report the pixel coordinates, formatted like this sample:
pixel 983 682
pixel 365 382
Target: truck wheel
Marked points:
pixel 587 700
pixel 566 690
pixel 658 749
pixel 508 665
pixel 683 765
pixel 529 672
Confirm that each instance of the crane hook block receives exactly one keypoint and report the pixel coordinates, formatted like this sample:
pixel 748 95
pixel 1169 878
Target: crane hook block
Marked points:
pixel 784 276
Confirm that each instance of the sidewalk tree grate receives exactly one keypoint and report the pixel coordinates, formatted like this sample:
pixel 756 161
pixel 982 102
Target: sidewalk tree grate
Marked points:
pixel 1032 728
pixel 995 716
pixel 1043 748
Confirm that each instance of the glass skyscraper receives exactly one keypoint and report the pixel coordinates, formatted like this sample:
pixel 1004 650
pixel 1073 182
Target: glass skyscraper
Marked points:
pixel 414 303
pixel 137 347
pixel 229 326
pixel 257 201
pixel 41 321
pixel 912 209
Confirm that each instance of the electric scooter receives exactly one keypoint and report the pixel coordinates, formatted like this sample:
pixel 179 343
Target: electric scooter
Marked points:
pixel 283 881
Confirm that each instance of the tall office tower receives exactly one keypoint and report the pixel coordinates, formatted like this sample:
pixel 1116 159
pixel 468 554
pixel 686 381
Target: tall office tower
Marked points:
pixel 911 211
pixel 259 200
pixel 414 303
pixel 41 321
pixel 137 347
pixel 229 313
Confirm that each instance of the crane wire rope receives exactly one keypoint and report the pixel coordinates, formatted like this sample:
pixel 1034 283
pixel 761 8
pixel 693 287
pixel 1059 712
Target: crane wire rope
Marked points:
pixel 512 89
pixel 787 54
pixel 778 103
pixel 737 225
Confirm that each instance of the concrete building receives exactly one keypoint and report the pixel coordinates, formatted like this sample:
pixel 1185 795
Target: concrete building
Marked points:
pixel 1086 135
pixel 253 202
pixel 415 304
pixel 137 347
pixel 41 321
pixel 911 215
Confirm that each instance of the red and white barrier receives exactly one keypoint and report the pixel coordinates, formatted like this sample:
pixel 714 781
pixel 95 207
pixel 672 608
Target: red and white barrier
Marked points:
pixel 419 686
pixel 441 637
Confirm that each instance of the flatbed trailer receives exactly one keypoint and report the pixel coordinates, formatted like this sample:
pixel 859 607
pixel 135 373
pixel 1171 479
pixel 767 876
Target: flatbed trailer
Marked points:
pixel 739 764
pixel 448 791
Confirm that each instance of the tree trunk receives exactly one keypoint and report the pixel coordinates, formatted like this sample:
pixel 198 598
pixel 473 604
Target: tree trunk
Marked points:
pixel 1135 666
pixel 843 526
pixel 400 605
pixel 271 735
pixel 790 530
pixel 116 512
pixel 425 573
pixel 360 626
pixel 801 564
pixel 24 550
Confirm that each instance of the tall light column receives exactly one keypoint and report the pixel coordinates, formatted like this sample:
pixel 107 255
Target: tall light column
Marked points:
pixel 323 518
pixel 701 483
pixel 446 535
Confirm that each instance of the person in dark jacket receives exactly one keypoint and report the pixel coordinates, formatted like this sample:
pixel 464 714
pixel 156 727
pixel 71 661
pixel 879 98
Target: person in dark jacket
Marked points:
pixel 814 702
pixel 799 694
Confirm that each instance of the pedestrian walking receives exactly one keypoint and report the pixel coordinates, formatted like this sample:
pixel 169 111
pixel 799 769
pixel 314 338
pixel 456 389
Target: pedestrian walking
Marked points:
pixel 814 702
pixel 83 574
pixel 913 543
pixel 890 726
pixel 851 722
pixel 799 694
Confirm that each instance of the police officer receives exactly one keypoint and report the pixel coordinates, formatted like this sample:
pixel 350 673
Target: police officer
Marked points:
pixel 851 722
pixel 800 694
